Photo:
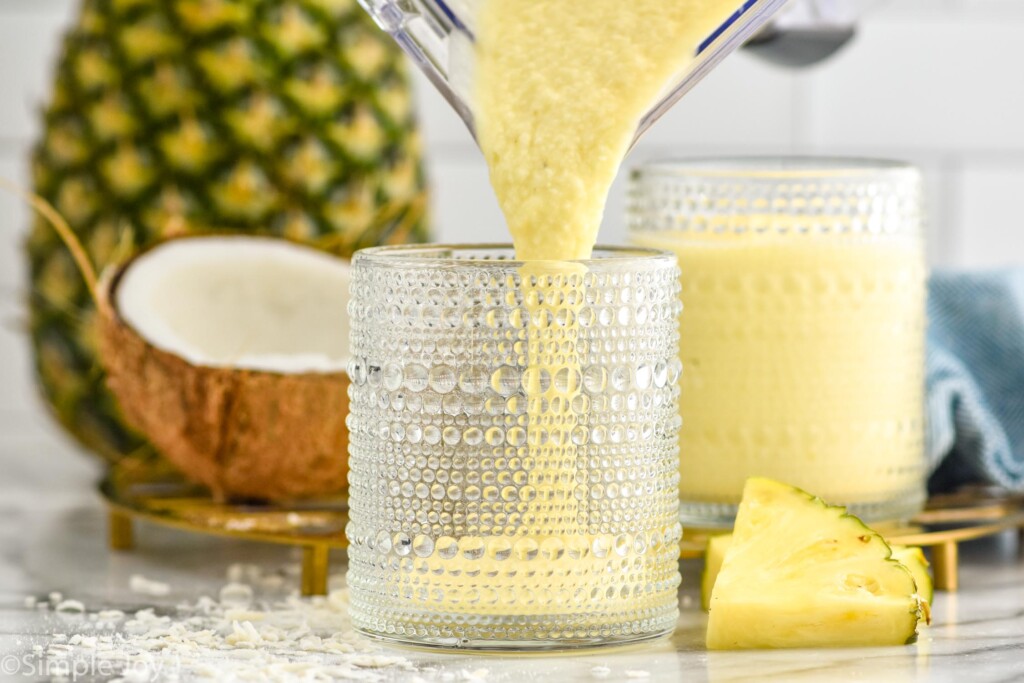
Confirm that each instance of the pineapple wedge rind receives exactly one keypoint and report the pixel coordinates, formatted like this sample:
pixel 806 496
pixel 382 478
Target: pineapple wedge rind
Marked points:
pixel 913 559
pixel 800 573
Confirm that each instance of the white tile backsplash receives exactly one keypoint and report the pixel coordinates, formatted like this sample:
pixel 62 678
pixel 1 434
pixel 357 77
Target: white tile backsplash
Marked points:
pixel 990 216
pixel 464 206
pixel 1011 8
pixel 30 37
pixel 17 387
pixel 950 83
pixel 15 383
pixel 443 128
pixel 13 221
pixel 743 105
pixel 904 8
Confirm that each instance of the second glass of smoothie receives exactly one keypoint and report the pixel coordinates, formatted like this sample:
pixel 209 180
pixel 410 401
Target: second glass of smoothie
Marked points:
pixel 802 333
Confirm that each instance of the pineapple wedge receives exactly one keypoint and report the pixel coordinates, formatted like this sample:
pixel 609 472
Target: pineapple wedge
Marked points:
pixel 800 573
pixel 910 557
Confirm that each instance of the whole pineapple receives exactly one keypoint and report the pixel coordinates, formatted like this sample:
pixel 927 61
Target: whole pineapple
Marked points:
pixel 283 117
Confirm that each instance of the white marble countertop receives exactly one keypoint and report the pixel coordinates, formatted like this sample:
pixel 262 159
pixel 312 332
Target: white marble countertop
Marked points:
pixel 52 538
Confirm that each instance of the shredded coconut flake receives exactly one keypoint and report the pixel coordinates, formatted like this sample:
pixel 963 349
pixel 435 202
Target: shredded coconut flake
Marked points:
pixel 140 584
pixel 236 596
pixel 276 639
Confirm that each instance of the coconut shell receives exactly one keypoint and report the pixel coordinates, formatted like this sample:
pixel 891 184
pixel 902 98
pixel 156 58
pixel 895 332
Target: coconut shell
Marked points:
pixel 242 433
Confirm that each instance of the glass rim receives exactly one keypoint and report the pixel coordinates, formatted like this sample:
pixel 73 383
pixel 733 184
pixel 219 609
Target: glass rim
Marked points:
pixel 777 168
pixel 433 255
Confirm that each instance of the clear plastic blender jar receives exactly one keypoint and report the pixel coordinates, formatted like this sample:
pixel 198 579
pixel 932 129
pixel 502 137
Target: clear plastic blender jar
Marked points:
pixel 438 35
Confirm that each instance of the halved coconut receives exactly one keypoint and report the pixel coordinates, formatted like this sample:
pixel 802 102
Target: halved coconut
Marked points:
pixel 228 354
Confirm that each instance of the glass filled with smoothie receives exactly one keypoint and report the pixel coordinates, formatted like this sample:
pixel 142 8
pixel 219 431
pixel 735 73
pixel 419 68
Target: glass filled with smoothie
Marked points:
pixel 802 334
pixel 513 447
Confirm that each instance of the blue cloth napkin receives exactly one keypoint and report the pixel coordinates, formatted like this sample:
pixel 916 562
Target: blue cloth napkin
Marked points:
pixel 975 379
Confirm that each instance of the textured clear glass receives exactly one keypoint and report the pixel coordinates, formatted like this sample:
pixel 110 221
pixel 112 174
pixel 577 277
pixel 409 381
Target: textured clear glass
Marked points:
pixel 802 335
pixel 513 447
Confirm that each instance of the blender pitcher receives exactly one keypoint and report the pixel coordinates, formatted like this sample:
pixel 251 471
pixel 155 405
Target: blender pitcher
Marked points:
pixel 438 35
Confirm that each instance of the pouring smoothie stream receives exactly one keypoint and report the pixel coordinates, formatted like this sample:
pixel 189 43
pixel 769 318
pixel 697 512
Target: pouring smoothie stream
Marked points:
pixel 560 90
pixel 558 97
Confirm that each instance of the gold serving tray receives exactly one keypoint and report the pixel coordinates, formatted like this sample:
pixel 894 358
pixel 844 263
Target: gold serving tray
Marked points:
pixel 153 491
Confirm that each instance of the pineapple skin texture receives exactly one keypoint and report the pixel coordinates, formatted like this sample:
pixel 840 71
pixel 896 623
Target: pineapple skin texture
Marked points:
pixel 801 574
pixel 290 118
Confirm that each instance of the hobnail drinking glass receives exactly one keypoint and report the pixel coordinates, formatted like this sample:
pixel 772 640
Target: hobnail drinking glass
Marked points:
pixel 513 447
pixel 802 335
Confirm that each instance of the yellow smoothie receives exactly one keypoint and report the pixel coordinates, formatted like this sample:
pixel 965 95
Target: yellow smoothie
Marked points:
pixel 802 359
pixel 560 90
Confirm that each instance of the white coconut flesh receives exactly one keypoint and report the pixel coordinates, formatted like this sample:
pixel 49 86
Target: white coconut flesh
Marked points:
pixel 240 302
